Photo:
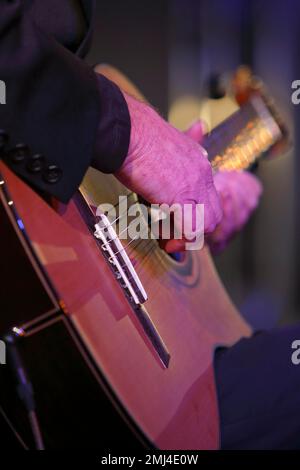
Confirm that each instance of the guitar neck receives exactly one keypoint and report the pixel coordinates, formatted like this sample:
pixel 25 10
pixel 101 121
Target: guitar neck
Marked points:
pixel 241 139
pixel 244 137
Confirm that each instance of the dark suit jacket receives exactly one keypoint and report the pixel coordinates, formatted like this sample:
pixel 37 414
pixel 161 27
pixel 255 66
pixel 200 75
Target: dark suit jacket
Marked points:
pixel 59 117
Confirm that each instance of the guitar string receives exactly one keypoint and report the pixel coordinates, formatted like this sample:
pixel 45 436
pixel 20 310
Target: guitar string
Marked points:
pixel 138 265
pixel 116 205
pixel 152 244
pixel 143 241
pixel 129 243
pixel 142 244
pixel 141 262
pixel 118 219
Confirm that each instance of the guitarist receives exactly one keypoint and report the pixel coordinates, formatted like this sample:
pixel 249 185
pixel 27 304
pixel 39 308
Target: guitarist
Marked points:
pixel 61 117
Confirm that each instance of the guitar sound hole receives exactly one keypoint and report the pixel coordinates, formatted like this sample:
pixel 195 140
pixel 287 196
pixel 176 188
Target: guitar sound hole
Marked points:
pixel 179 257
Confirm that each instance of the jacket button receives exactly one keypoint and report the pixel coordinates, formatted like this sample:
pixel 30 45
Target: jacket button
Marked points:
pixel 3 139
pixel 35 163
pixel 52 174
pixel 18 153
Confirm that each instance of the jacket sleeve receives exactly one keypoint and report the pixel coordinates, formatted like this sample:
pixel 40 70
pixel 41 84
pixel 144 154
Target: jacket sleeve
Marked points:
pixel 59 116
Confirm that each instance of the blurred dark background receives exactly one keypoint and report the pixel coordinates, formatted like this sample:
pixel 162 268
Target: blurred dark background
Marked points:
pixel 169 48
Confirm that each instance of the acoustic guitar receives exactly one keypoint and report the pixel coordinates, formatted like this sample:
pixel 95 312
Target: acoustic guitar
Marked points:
pixel 117 337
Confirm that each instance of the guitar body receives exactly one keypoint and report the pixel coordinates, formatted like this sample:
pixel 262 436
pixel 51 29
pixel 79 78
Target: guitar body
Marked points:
pixel 173 406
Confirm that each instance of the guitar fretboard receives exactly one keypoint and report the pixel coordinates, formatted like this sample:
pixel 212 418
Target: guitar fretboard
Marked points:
pixel 242 138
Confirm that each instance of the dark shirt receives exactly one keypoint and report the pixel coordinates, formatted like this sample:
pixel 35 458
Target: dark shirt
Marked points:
pixel 60 117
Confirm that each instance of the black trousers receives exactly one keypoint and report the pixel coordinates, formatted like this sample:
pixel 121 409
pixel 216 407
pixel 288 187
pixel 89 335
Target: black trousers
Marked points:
pixel 258 388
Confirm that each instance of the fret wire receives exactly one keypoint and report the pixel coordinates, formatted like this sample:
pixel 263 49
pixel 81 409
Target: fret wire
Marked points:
pixel 217 140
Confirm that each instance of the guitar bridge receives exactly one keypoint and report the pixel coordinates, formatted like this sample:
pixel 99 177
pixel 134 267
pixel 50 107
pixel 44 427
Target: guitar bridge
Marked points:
pixel 118 258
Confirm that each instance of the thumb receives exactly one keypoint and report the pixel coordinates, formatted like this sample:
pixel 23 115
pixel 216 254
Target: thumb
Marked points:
pixel 196 130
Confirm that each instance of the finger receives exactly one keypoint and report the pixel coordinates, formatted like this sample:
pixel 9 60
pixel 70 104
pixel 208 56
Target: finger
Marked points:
pixel 224 228
pixel 175 246
pixel 188 219
pixel 188 226
pixel 240 209
pixel 196 131
pixel 252 189
pixel 244 195
pixel 213 212
pixel 241 195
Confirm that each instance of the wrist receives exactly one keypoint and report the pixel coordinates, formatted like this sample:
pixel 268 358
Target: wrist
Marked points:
pixel 143 120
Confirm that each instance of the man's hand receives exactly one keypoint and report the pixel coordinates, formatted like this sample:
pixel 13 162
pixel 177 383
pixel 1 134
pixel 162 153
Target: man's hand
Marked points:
pixel 239 193
pixel 166 166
